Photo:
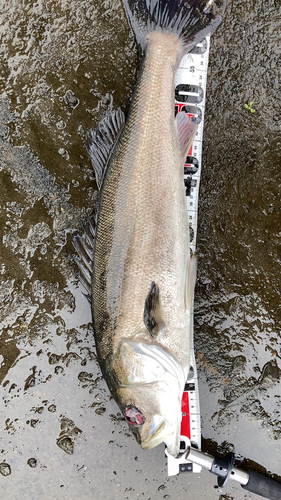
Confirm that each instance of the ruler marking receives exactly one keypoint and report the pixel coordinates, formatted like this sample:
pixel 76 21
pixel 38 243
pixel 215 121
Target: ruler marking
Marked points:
pixel 190 97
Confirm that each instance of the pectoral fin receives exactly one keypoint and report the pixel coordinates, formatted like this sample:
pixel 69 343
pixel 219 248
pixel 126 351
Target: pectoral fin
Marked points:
pixel 186 131
pixel 153 313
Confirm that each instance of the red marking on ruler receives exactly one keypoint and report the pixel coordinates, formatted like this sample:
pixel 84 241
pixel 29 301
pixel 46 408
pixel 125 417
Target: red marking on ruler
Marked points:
pixel 185 423
pixel 182 105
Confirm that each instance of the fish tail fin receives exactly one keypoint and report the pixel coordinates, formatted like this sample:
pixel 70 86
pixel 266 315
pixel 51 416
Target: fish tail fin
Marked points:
pixel 190 20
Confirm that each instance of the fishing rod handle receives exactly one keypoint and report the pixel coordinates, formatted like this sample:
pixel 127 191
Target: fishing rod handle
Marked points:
pixel 263 486
pixel 249 480
pixel 214 466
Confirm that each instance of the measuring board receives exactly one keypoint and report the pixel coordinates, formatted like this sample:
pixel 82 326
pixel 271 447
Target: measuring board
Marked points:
pixel 190 92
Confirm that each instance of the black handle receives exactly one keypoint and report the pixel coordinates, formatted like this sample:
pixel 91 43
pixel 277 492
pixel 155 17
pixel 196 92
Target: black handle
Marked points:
pixel 263 486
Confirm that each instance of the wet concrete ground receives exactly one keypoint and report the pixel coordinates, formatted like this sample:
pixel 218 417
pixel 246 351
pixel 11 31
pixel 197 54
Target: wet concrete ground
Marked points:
pixel 62 66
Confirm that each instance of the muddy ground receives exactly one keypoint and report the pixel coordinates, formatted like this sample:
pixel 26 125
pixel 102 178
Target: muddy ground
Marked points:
pixel 63 66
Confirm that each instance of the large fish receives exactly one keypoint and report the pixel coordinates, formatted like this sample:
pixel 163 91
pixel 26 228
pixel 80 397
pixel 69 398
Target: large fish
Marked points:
pixel 135 258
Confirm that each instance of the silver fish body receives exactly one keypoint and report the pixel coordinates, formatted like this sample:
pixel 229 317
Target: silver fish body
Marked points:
pixel 143 237
pixel 143 277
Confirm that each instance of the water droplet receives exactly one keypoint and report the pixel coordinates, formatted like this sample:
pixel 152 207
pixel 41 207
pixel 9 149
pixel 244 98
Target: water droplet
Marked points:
pixel 59 369
pixel 66 444
pixel 30 382
pixel 70 99
pixel 84 376
pixel 54 358
pixel 100 411
pixel 64 153
pixel 32 462
pixel 60 125
pixel 5 469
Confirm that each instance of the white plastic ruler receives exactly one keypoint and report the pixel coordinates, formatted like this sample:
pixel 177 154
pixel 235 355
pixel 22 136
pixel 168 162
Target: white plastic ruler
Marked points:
pixel 190 97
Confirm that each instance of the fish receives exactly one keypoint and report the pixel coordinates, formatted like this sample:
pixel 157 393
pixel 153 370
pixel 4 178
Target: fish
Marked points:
pixel 134 256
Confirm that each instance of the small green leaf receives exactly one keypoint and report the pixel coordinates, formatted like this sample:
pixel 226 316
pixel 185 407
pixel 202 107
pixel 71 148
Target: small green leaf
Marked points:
pixel 253 110
pixel 246 106
pixel 251 103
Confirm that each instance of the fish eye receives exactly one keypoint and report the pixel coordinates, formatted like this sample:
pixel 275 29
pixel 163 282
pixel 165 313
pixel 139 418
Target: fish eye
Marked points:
pixel 133 416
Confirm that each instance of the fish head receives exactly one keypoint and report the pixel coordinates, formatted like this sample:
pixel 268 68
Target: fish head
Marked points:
pixel 149 393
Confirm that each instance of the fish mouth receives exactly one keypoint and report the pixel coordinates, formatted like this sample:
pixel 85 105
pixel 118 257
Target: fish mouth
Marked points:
pixel 155 439
pixel 171 441
pixel 163 433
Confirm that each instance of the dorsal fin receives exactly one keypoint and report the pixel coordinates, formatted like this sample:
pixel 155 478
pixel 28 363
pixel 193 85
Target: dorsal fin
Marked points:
pixel 153 313
pixel 100 142
pixel 84 246
pixel 186 131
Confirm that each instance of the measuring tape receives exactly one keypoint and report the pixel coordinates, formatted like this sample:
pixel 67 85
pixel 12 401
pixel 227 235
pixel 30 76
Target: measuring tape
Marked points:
pixel 190 92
